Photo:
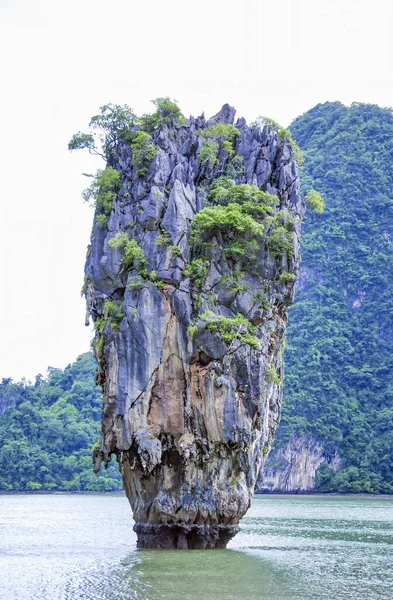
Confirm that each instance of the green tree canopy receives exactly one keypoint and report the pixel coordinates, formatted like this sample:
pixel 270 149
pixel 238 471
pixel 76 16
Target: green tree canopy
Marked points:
pixel 339 357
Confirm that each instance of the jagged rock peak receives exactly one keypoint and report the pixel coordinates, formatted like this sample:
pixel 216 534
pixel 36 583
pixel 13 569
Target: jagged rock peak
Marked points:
pixel 193 257
pixel 225 115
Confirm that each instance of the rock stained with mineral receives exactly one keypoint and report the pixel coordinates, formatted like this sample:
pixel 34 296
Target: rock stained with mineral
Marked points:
pixel 188 278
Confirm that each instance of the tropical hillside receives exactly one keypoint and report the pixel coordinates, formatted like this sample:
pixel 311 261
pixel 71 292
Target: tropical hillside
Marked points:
pixel 48 429
pixel 338 387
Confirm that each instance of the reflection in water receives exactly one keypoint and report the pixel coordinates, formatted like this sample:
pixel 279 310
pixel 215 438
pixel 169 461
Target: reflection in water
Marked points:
pixel 188 575
pixel 76 547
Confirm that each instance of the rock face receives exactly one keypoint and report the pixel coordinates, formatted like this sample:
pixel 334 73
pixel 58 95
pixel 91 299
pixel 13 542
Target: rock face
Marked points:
pixel 8 399
pixel 292 468
pixel 189 332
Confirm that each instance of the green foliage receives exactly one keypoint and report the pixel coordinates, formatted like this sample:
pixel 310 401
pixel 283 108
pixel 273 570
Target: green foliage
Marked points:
pixel 339 355
pixel 159 283
pixel 236 215
pixel 282 134
pixel 232 282
pixel 235 166
pixel 197 271
pixel 192 330
pixel 286 278
pixel 164 239
pixel 142 151
pixel 114 313
pixel 112 124
pixel 134 257
pixel 224 191
pixel 228 148
pixel 135 283
pixel 103 190
pixel 208 153
pixel 285 218
pixel 227 219
pixel 242 206
pixel 80 141
pixel 98 344
pixel 47 434
pixel 167 113
pixel 215 135
pixel 85 285
pixel 102 221
pixel 273 376
pixel 315 201
pixel 175 251
pixel 221 131
pixel 231 328
pixel 99 324
pixel 280 241
pixel 260 299
pixel 242 248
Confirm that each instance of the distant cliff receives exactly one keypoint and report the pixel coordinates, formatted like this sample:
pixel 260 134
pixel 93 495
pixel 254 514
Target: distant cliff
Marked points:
pixel 338 391
pixel 192 263
pixel 292 468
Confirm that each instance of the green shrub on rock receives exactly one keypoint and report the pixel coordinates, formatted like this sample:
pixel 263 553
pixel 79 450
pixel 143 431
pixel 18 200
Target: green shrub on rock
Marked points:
pixel 222 131
pixel 103 190
pixel 273 376
pixel 142 151
pixel 231 328
pixel 167 113
pixel 220 134
pixel 114 313
pixel 134 257
pixel 208 152
pixel 280 242
pixel 224 191
pixel 231 219
pixel 102 221
pixel 197 271
pixel 286 278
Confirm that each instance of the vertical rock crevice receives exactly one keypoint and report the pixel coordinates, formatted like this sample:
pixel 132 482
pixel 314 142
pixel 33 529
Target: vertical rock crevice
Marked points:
pixel 187 281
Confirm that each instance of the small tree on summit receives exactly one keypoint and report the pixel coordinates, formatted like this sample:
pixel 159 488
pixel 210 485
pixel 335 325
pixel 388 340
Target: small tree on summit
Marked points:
pixel 114 123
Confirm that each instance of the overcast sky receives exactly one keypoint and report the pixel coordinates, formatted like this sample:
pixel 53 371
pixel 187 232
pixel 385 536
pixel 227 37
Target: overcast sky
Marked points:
pixel 60 61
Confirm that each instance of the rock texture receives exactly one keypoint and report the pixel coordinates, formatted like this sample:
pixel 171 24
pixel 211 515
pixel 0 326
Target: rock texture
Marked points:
pixel 10 396
pixel 292 468
pixel 189 416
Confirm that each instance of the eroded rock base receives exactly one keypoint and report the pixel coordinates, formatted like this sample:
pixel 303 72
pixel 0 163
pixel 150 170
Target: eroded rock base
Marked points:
pixel 184 537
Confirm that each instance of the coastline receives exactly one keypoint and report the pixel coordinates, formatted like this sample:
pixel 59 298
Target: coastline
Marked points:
pixel 122 493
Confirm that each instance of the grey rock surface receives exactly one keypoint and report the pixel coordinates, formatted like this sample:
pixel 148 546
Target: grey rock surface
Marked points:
pixel 293 467
pixel 190 419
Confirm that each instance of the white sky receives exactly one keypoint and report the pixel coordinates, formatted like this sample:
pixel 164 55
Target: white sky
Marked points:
pixel 60 61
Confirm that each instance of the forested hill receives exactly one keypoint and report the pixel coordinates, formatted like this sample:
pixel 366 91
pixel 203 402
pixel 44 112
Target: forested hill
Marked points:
pixel 338 391
pixel 48 429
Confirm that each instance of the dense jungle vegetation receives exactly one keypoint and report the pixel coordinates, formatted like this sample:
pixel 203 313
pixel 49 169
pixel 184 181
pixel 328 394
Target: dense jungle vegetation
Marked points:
pixel 47 433
pixel 339 356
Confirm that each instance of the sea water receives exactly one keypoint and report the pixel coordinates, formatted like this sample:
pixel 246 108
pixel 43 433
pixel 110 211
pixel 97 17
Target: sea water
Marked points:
pixel 76 546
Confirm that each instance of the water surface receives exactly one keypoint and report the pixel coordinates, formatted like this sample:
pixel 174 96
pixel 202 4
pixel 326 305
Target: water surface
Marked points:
pixel 75 547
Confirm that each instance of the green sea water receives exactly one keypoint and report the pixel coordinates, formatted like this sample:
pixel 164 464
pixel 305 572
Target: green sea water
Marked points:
pixel 290 548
